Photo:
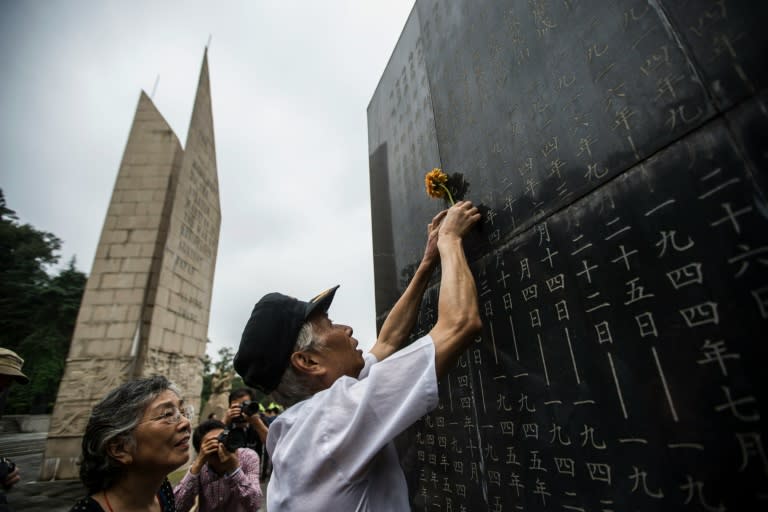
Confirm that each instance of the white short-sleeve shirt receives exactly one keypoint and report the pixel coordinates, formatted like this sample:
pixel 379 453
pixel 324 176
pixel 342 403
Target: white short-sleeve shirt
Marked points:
pixel 334 451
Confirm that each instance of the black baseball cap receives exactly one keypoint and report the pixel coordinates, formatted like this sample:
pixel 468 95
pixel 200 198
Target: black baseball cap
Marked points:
pixel 270 335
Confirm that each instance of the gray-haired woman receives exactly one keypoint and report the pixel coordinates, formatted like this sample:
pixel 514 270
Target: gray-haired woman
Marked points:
pixel 135 436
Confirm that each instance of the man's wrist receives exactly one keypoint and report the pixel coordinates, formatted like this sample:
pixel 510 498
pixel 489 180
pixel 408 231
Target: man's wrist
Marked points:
pixel 230 474
pixel 448 242
pixel 195 467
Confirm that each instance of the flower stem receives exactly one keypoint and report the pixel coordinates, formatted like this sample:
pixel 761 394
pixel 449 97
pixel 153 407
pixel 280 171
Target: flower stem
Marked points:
pixel 450 197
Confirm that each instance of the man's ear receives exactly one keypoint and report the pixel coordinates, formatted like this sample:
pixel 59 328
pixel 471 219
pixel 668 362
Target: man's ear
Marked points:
pixel 118 450
pixel 307 363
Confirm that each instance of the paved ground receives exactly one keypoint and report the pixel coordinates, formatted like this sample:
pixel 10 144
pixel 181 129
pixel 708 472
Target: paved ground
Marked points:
pixel 29 495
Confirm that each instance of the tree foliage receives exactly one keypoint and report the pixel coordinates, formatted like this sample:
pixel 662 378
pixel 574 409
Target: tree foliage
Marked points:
pixel 223 364
pixel 37 310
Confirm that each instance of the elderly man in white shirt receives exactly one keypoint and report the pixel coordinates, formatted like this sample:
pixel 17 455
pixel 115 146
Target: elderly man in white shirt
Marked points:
pixel 333 448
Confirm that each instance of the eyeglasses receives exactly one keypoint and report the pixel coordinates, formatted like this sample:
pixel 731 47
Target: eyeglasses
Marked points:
pixel 173 415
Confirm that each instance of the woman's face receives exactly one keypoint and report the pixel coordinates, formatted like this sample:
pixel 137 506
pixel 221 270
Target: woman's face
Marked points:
pixel 162 435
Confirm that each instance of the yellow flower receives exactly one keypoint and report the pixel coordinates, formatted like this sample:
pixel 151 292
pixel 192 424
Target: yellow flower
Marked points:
pixel 435 181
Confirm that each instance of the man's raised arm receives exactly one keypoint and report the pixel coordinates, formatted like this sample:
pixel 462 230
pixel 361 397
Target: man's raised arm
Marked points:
pixel 401 319
pixel 458 315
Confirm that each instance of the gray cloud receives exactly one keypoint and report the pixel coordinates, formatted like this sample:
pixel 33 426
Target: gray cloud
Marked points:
pixel 290 83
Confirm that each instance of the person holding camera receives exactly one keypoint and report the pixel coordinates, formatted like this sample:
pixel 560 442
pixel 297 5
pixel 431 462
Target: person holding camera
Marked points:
pixel 223 477
pixel 245 413
pixel 10 372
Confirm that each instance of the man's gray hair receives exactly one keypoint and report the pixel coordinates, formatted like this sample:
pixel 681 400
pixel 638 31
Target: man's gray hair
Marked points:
pixel 113 421
pixel 294 386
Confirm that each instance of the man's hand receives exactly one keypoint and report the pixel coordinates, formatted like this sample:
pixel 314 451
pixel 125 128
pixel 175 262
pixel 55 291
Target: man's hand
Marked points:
pixel 207 449
pixel 12 479
pixel 234 413
pixel 229 460
pixel 431 254
pixel 458 221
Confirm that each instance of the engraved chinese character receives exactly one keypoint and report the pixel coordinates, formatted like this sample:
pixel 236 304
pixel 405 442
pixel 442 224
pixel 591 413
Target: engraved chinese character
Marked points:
pixel 686 275
pixel 557 433
pixel 716 351
pixel 531 430
pixel 636 292
pixel 525 269
pixel 586 270
pixel 746 254
pixel 698 487
pixel 514 481
pixel 731 216
pixel 646 324
pixel 541 489
pixel 588 435
pixel 624 257
pixel 530 293
pixel 556 283
pixel 511 456
pixel 603 333
pixel 751 445
pixel 761 298
pixel 669 237
pixel 599 471
pixel 523 402
pixel 565 466
pixel 536 461
pixel 733 406
pixel 701 314
pixel 641 476
pixel 535 318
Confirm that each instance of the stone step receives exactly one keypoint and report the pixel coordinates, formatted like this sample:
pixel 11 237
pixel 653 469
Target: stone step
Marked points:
pixel 14 445
pixel 8 426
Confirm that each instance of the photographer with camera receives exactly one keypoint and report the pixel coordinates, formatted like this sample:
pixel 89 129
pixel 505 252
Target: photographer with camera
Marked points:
pixel 245 413
pixel 10 371
pixel 222 476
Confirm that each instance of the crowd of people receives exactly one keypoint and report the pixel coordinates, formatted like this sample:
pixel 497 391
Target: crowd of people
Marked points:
pixel 332 447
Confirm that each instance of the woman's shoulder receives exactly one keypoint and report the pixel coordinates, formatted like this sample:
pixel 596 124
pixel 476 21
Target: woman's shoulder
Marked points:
pixel 86 504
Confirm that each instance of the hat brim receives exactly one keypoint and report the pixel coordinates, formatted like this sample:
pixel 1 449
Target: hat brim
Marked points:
pixel 321 301
pixel 16 374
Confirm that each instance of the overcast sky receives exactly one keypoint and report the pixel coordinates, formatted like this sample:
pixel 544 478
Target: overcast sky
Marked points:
pixel 290 84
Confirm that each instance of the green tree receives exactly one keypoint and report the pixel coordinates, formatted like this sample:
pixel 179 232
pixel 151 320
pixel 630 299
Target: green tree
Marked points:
pixel 223 364
pixel 25 253
pixel 45 349
pixel 37 311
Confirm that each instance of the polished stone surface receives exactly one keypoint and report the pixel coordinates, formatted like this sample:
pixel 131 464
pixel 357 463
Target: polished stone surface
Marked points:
pixel 617 150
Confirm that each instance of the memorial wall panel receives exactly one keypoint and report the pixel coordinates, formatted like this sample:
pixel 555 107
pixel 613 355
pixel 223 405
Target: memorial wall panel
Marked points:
pixel 617 153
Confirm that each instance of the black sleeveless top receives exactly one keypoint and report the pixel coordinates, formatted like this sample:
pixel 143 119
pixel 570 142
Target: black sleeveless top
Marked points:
pixel 164 495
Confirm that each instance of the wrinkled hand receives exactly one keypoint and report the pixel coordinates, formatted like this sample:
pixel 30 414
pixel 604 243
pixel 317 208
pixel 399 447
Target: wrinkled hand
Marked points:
pixel 431 254
pixel 458 221
pixel 12 479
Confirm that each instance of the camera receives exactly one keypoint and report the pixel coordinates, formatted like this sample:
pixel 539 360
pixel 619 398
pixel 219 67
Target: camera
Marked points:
pixel 6 468
pixel 249 408
pixel 234 437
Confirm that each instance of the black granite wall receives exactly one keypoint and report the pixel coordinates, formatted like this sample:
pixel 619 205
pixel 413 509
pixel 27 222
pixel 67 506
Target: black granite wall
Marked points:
pixel 618 149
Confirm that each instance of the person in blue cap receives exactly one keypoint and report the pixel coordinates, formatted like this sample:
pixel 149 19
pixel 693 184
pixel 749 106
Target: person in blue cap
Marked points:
pixel 332 448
